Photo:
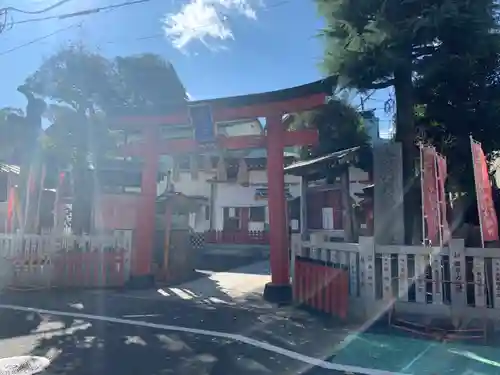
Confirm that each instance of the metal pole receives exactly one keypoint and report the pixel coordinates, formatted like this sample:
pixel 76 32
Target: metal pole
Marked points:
pixel 479 211
pixel 436 174
pixel 422 192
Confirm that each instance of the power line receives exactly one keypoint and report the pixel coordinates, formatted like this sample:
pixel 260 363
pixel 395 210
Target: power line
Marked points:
pixel 116 40
pixel 90 11
pixel 38 39
pixel 81 13
pixel 44 10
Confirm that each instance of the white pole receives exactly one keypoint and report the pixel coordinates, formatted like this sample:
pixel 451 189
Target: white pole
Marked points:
pixel 422 192
pixel 479 211
pixel 440 224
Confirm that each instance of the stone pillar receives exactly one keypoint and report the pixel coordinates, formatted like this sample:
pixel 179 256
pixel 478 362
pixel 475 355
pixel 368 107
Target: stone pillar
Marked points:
pixel 388 194
pixel 367 268
pixel 457 270
pixel 279 290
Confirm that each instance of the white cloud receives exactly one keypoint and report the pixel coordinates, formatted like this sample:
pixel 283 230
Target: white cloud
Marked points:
pixel 206 19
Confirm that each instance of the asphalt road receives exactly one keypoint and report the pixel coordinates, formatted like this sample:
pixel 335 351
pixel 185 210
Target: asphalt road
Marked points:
pixel 114 333
pixel 102 333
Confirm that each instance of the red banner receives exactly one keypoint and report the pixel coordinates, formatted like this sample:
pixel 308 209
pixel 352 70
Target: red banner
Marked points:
pixel 442 176
pixel 486 210
pixel 430 196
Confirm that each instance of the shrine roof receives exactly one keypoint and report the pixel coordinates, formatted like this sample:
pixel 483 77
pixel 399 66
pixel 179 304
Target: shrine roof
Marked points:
pixel 316 166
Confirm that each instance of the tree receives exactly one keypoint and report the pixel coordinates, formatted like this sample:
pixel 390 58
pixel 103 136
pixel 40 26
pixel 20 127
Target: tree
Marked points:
pixel 383 43
pixel 339 125
pixel 86 86
pixel 458 91
pixel 146 83
pixel 21 130
pixel 10 136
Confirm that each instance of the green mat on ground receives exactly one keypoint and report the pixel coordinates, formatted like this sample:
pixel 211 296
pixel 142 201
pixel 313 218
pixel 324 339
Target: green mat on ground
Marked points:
pixel 422 357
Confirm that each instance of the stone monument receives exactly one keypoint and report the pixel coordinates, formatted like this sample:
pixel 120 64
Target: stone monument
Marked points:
pixel 388 194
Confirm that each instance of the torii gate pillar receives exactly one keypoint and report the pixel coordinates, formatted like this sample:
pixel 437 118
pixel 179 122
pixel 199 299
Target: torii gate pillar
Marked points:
pixel 279 289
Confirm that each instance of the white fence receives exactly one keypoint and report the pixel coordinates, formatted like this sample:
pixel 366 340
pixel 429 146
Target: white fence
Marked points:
pixel 33 245
pixel 32 255
pixel 457 280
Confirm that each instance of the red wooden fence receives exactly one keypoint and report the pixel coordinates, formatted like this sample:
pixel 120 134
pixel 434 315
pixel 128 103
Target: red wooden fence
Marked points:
pixel 89 269
pixel 237 237
pixel 321 287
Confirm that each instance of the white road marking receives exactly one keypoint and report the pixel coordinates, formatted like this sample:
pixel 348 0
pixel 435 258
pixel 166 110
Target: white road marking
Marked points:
pixel 418 356
pixel 246 340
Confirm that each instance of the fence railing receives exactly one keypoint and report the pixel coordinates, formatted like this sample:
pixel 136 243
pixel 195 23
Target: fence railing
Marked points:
pixel 240 237
pixel 321 286
pixel 421 278
pixel 41 261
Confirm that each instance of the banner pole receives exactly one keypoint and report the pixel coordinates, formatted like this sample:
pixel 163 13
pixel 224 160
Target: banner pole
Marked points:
pixel 478 199
pixel 440 224
pixel 447 234
pixel 422 193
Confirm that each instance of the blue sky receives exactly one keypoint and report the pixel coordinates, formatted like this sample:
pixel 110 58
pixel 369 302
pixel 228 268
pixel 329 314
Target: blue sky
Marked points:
pixel 218 47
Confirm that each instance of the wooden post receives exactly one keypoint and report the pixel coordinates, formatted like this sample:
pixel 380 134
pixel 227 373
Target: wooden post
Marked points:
pixel 143 249
pixel 279 290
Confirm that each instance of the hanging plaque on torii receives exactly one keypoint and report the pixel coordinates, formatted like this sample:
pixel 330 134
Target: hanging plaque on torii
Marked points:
pixel 201 119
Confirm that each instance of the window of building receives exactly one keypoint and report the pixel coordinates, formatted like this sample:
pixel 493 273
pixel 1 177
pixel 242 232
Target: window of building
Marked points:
pixel 184 163
pixel 258 213
pixel 232 218
pixel 232 172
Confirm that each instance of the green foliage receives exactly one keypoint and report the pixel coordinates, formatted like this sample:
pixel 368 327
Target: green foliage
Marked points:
pixel 83 88
pixel 147 83
pixel 402 43
pixel 86 86
pixel 458 87
pixel 340 127
pixel 74 76
pixel 10 136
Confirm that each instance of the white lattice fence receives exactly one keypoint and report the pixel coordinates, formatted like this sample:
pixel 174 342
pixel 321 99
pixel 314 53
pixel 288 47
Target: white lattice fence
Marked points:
pixel 423 280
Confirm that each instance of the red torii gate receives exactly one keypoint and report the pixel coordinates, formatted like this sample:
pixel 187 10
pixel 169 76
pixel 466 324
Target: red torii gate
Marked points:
pixel 272 106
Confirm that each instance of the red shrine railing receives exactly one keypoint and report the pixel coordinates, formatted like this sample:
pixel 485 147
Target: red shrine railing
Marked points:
pixel 239 237
pixel 320 286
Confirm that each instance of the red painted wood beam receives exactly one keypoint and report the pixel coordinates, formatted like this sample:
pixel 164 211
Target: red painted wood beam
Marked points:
pixel 304 137
pixel 221 114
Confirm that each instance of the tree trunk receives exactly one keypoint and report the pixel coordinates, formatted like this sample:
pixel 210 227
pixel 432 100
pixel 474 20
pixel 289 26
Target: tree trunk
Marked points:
pixel 403 87
pixel 82 199
pixel 82 182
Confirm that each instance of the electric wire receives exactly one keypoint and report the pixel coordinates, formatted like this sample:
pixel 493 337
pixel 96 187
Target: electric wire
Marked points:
pixel 117 40
pixel 84 12
pixel 44 10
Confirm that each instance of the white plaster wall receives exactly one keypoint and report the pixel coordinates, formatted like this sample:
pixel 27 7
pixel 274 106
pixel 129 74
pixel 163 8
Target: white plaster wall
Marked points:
pixel 235 195
pixel 194 187
pixel 197 221
pixel 357 181
pixel 189 186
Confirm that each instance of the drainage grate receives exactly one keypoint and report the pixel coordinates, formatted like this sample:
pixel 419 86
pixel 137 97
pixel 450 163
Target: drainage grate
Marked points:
pixel 23 365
